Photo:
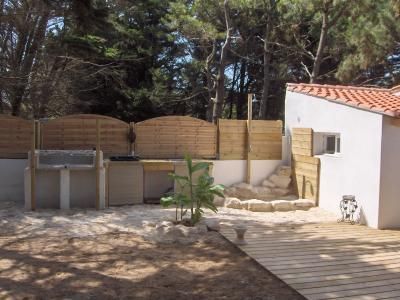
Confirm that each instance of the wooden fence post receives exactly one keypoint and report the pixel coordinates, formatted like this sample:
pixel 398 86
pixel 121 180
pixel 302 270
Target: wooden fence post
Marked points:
pixel 33 167
pixel 249 118
pixel 97 164
pixel 131 136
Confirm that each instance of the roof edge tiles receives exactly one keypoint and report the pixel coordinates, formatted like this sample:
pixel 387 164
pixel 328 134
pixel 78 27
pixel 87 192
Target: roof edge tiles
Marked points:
pixel 378 100
pixel 395 90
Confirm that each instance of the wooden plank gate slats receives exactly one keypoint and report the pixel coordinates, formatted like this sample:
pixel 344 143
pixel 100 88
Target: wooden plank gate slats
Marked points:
pixel 78 132
pixel 302 141
pixel 15 137
pixel 174 136
pixel 306 167
pixel 328 260
pixel 266 139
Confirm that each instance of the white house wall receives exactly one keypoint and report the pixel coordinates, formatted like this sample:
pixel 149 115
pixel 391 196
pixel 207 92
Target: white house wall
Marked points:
pixel 389 212
pixel 228 172
pixel 12 180
pixel 356 170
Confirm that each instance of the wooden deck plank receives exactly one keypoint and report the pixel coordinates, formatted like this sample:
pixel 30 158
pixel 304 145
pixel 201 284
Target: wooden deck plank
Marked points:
pixel 316 254
pixel 383 275
pixel 350 286
pixel 344 276
pixel 321 272
pixel 328 261
pixel 304 235
pixel 375 296
pixel 326 245
pixel 337 262
pixel 355 292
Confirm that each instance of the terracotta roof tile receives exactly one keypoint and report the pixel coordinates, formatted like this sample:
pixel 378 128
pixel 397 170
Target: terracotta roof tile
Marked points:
pixel 384 101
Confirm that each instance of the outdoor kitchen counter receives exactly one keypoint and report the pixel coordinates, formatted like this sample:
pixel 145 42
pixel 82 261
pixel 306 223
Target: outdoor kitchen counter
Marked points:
pixel 166 164
pixel 131 182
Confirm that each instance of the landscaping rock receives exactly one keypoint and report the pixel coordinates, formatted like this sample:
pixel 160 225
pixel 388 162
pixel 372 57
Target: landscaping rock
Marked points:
pixel 280 192
pixel 303 204
pixel 262 192
pixel 201 228
pixel 289 197
pixel 280 181
pixel 149 224
pixel 284 171
pixel 219 201
pixel 230 192
pixel 232 203
pixel 243 185
pixel 212 224
pixel 244 204
pixel 259 205
pixel 174 232
pixel 164 224
pixel 243 191
pixel 282 205
pixel 167 232
pixel 186 231
pixel 268 184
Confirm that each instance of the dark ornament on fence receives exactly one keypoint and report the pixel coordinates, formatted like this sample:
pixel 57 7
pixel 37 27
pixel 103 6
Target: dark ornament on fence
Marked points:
pixel 348 207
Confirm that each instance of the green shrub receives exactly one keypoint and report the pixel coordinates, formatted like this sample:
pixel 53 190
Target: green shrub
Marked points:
pixel 193 196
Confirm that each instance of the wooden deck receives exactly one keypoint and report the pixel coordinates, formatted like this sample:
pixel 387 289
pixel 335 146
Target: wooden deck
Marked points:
pixel 328 261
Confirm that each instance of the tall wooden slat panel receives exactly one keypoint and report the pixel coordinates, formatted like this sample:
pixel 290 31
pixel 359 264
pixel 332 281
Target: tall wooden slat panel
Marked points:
pixel 16 136
pixel 232 139
pixel 302 141
pixel 306 168
pixel 174 136
pixel 265 141
pixel 306 172
pixel 78 132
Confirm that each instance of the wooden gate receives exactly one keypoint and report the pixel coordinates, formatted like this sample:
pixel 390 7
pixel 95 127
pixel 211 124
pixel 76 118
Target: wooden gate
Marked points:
pixel 306 167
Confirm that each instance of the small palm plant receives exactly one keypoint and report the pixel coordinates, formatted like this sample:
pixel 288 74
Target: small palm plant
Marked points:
pixel 193 196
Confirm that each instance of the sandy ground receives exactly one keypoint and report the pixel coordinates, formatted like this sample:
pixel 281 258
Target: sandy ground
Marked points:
pixel 14 220
pixel 88 254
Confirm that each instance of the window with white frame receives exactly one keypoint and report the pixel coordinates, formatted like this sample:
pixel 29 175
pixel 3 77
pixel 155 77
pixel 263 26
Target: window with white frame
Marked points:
pixel 331 143
pixel 326 143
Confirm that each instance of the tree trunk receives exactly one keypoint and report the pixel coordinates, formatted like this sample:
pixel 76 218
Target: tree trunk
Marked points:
pixel 220 82
pixel 1 102
pixel 53 79
pixel 266 80
pixel 241 99
pixel 321 47
pixel 231 93
pixel 210 82
pixel 27 64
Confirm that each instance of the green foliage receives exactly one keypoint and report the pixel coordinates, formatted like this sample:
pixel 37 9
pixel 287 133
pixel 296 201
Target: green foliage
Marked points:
pixel 193 196
pixel 137 59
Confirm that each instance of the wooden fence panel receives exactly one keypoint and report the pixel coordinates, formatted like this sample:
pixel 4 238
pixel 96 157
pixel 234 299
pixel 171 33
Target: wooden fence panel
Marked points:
pixel 306 168
pixel 302 141
pixel 174 136
pixel 232 139
pixel 16 137
pixel 78 132
pixel 306 172
pixel 265 139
